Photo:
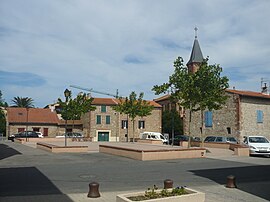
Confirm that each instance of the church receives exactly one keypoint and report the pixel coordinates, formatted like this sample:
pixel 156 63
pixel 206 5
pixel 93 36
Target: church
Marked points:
pixel 245 112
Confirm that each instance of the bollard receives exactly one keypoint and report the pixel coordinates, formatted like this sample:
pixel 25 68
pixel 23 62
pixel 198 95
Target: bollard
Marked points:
pixel 93 190
pixel 168 184
pixel 231 182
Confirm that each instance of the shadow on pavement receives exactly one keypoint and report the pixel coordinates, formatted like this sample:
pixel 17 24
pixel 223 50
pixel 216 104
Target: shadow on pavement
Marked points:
pixel 27 181
pixel 252 179
pixel 6 151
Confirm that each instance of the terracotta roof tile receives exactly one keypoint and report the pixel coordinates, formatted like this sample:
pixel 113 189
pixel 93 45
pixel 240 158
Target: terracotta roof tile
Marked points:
pixel 164 97
pixel 35 115
pixel 113 101
pixel 104 101
pixel 249 93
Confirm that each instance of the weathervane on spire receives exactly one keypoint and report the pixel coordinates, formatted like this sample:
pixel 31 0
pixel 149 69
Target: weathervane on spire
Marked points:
pixel 196 29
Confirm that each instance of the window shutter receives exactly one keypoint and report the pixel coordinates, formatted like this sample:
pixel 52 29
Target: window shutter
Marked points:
pixel 98 119
pixel 108 119
pixel 103 108
pixel 259 116
pixel 208 119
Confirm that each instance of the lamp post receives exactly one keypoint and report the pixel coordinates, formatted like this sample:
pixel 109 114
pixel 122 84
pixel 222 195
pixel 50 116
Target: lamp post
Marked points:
pixel 67 95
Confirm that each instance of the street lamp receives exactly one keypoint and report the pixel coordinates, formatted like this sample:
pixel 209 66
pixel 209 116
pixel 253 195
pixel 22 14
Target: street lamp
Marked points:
pixel 67 94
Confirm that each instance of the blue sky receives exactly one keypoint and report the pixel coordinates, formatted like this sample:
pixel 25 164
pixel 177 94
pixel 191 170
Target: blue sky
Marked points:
pixel 48 45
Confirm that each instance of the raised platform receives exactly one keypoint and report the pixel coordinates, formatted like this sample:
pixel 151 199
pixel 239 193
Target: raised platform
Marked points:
pixel 238 149
pixel 61 149
pixel 147 152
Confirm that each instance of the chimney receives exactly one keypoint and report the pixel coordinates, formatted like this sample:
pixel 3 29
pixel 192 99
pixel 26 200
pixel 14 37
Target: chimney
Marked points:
pixel 265 89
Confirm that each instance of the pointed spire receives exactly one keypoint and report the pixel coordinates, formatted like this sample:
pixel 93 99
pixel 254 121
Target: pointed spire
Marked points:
pixel 196 54
pixel 196 29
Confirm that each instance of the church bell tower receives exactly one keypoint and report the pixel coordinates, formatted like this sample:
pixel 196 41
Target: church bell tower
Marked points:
pixel 196 57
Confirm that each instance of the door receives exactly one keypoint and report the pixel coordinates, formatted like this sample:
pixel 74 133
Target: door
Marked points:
pixel 103 136
pixel 45 131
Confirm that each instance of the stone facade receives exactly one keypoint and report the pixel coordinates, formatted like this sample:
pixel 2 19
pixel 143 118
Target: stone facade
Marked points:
pixel 105 121
pixel 249 123
pixel 31 119
pixel 225 121
pixel 52 130
pixel 237 118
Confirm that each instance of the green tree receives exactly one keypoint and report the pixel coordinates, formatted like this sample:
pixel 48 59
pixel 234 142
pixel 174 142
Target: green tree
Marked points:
pixel 25 102
pixel 171 119
pixel 133 107
pixel 212 89
pixel 3 104
pixel 2 101
pixel 73 109
pixel 202 90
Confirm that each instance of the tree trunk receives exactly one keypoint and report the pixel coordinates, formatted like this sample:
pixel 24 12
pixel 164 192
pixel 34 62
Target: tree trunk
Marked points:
pixel 133 129
pixel 189 131
pixel 202 128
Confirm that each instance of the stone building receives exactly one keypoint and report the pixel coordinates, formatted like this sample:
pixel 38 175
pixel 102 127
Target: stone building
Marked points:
pixel 105 124
pixel 32 119
pixel 245 112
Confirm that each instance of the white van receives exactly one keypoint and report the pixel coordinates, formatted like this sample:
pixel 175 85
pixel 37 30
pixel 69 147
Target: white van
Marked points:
pixel 153 136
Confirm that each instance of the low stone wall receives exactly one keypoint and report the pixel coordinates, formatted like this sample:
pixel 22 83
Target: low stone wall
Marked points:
pixel 216 145
pixel 61 149
pixel 45 139
pixel 159 154
pixel 239 150
pixel 150 141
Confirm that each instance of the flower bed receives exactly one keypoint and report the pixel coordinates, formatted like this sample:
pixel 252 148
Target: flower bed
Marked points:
pixel 169 195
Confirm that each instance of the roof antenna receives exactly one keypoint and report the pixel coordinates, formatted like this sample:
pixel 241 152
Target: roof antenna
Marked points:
pixel 196 32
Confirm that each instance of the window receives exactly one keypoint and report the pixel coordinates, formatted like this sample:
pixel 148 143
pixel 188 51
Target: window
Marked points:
pixel 124 124
pixel 208 118
pixel 229 130
pixel 219 139
pixel 141 124
pixel 259 116
pixel 108 119
pixel 98 119
pixel 103 108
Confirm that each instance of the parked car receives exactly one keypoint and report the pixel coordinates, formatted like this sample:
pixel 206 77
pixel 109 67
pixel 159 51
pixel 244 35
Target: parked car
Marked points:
pixel 70 135
pixel 220 139
pixel 24 134
pixel 178 138
pixel 258 145
pixel 196 139
pixel 40 134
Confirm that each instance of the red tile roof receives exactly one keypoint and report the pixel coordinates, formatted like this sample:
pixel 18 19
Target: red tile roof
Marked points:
pixel 164 97
pixel 249 93
pixel 105 101
pixel 35 115
pixel 113 101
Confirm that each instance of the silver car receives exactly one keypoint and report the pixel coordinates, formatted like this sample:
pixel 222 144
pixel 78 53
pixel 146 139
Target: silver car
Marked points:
pixel 220 139
pixel 258 145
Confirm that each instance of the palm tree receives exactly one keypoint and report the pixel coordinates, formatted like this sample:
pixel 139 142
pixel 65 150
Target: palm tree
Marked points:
pixel 23 102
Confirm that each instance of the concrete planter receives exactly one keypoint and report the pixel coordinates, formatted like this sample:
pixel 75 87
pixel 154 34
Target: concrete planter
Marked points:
pixel 192 196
